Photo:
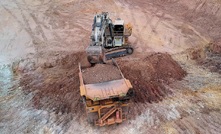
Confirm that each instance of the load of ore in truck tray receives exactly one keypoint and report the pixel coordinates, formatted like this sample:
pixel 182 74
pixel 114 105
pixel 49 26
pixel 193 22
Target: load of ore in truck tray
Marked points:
pixel 101 73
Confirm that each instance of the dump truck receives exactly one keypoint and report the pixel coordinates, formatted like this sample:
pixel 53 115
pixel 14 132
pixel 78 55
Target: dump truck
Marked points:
pixel 106 93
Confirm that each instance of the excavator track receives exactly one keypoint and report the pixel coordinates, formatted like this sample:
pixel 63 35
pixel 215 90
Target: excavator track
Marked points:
pixel 118 52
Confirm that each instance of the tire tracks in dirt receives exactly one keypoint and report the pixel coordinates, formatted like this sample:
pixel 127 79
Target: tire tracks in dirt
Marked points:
pixel 154 15
pixel 27 29
pixel 37 22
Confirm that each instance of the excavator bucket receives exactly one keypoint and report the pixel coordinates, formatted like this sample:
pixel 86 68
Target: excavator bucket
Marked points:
pixel 95 54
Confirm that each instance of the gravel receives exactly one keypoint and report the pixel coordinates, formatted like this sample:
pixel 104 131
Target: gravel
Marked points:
pixel 101 73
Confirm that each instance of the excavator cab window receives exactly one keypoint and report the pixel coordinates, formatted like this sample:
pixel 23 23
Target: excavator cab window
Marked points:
pixel 118 29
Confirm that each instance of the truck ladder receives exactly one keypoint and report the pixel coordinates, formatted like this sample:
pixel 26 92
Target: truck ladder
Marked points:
pixel 109 113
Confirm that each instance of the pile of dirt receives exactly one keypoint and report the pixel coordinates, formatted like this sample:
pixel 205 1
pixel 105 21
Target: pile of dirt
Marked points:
pixel 56 89
pixel 150 74
pixel 101 73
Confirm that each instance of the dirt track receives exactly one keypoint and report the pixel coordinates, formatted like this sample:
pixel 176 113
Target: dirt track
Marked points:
pixel 175 69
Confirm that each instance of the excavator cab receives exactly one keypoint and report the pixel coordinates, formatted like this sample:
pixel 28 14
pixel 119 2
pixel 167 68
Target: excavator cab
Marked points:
pixel 118 33
pixel 119 27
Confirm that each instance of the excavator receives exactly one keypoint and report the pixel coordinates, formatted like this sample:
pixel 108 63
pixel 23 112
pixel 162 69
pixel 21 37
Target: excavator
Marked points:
pixel 108 40
pixel 106 102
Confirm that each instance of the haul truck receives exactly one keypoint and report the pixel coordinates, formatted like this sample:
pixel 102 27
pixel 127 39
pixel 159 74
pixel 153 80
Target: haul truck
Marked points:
pixel 106 102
